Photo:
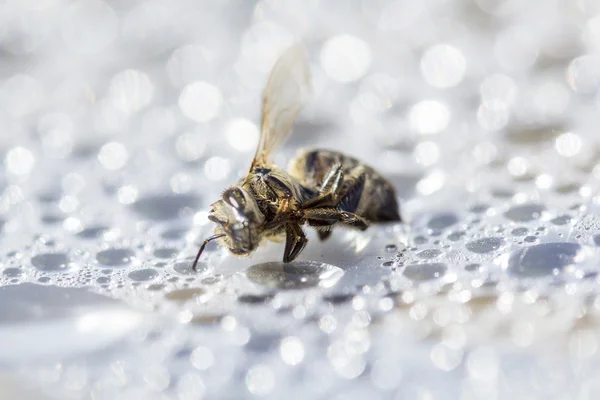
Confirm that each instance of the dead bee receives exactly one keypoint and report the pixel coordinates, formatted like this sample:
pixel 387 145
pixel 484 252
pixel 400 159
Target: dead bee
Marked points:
pixel 322 188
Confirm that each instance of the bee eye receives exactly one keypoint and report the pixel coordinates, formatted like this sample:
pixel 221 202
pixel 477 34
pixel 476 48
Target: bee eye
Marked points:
pixel 235 198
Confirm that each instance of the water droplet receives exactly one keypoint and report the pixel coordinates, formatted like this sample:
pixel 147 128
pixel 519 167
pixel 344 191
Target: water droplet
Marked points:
pixel 200 101
pixel 443 66
pixel 429 253
pixel 12 272
pixel 524 212
pixel 162 207
pixel 166 252
pixel 185 267
pixel 390 248
pixel 115 257
pixel 255 298
pixel 530 239
pixel 420 240
pixel 561 220
pixel 183 295
pixel 442 221
pixel 479 208
pixel 456 236
pixel 345 58
pixel 92 232
pixel 155 287
pixel 339 298
pixel 425 272
pixel 519 231
pixel 19 161
pixel 472 267
pixel 143 275
pixel 387 264
pixel 294 275
pixel 102 280
pixel 51 261
pixel 174 234
pixel 485 245
pixel 543 259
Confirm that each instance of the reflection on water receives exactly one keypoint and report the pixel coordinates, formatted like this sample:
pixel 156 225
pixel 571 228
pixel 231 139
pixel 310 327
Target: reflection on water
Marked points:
pixel 294 275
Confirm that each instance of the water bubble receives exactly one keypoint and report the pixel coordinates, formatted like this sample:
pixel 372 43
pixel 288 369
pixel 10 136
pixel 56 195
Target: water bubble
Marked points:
pixel 472 267
pixel 113 155
pixel 51 262
pixel 493 115
pixel 93 232
pixel 12 272
pixel 242 134
pixel 543 259
pixel 202 358
pixel 185 267
pixel 339 298
pixel 568 144
pixel 443 66
pixel 485 245
pixel 164 207
pixel 345 58
pixel 115 257
pixel 426 153
pixel 260 380
pixel 583 73
pixel 255 298
pixel 200 101
pixel 428 117
pixel 131 90
pixel 456 236
pixel 165 252
pixel 524 212
pixel 183 295
pixel 19 161
pixel 174 234
pixel 522 231
pixel 143 275
pixel 425 272
pixel 294 275
pixel 530 239
pixel 291 350
pixel 429 253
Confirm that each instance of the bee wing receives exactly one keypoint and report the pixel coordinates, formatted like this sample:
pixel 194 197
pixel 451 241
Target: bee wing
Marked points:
pixel 286 92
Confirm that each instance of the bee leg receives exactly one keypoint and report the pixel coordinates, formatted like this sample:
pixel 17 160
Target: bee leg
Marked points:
pixel 329 192
pixel 295 242
pixel 332 181
pixel 324 217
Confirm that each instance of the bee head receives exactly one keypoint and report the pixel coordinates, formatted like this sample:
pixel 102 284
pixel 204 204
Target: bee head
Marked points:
pixel 239 219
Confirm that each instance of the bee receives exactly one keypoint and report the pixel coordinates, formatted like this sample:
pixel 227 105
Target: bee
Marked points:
pixel 322 188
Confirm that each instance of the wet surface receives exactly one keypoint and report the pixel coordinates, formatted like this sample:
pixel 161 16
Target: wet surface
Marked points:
pixel 123 122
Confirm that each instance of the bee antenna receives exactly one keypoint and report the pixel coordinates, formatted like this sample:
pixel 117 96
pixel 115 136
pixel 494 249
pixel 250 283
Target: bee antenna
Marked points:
pixel 210 239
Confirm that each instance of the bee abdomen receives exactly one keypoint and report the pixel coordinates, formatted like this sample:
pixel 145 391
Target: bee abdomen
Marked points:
pixel 365 192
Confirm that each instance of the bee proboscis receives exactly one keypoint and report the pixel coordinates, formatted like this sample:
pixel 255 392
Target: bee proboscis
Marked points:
pixel 321 189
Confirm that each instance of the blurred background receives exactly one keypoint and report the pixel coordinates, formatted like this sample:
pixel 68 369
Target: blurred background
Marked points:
pixel 120 122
